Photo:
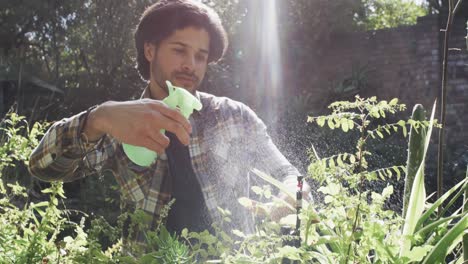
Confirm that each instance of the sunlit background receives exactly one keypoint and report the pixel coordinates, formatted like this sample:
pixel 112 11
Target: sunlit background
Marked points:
pixel 287 60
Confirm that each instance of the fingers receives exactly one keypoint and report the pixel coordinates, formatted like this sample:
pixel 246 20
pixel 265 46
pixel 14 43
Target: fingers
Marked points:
pixel 160 139
pixel 176 128
pixel 279 212
pixel 149 143
pixel 175 115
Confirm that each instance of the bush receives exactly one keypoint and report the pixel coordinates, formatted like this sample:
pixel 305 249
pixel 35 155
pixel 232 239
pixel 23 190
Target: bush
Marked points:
pixel 349 223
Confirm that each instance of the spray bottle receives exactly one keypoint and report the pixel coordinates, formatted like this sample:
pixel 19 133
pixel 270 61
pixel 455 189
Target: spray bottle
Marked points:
pixel 177 98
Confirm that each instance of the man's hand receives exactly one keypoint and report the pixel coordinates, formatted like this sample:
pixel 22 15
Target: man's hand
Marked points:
pixel 138 123
pixel 278 212
pixel 280 207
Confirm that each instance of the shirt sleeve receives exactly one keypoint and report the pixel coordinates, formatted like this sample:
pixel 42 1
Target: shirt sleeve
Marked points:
pixel 63 156
pixel 266 156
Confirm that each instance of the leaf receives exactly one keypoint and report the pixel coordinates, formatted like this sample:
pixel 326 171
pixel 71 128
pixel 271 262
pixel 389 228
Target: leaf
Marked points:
pixel 450 239
pixel 246 202
pixel 437 203
pixel 238 233
pixel 184 233
pixel 332 189
pixel 330 124
pixel 418 253
pixel 397 172
pixel 382 113
pixel 375 112
pixel 381 175
pixel 393 102
pixel 292 253
pixel 47 190
pixel 38 205
pixel 350 124
pixel 389 173
pixel 387 130
pixel 345 156
pixel 379 134
pixel 340 161
pixel 321 121
pixel 372 176
pixel 387 191
pixel 344 125
pixel 417 197
pixel 434 225
pixel 257 190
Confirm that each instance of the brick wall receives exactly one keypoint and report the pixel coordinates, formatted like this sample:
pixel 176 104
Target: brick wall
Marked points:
pixel 406 63
pixel 457 92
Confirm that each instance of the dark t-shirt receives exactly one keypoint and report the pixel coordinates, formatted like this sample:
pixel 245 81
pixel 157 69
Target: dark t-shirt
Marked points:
pixel 189 209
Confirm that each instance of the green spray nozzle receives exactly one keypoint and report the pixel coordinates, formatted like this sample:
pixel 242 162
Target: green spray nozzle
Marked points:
pixel 178 98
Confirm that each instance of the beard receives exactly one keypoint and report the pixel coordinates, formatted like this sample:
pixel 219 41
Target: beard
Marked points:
pixel 184 79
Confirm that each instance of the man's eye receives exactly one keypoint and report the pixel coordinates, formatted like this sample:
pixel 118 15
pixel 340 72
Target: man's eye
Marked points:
pixel 179 51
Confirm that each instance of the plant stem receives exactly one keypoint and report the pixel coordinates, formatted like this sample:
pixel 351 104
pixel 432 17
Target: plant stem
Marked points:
pixel 361 153
pixel 440 161
pixel 465 236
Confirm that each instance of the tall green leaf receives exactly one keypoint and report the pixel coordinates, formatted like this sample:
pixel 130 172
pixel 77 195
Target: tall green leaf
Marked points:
pixel 415 153
pixel 417 197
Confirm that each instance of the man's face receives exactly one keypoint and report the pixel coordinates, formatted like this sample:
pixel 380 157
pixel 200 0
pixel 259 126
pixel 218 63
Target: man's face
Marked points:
pixel 181 58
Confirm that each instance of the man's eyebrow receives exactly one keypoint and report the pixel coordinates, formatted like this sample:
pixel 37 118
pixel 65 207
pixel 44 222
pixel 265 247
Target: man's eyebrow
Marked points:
pixel 185 45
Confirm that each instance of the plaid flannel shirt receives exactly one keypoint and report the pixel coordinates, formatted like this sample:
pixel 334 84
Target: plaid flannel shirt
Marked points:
pixel 227 141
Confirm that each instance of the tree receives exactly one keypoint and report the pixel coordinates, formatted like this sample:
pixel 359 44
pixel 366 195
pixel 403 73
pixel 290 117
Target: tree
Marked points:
pixel 83 47
pixel 380 14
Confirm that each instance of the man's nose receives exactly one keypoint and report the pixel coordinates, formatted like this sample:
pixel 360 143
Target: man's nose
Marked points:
pixel 189 63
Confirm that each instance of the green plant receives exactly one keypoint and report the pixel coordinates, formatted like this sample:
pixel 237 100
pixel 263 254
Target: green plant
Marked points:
pixel 415 153
pixel 431 239
pixel 39 232
pixel 352 224
pixel 168 249
pixel 356 230
pixel 17 139
pixel 29 230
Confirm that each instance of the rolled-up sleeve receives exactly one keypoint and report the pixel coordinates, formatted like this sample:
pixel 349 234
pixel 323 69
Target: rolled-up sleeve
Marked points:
pixel 61 154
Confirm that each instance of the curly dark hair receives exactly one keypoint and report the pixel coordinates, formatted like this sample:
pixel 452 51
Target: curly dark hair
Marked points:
pixel 161 19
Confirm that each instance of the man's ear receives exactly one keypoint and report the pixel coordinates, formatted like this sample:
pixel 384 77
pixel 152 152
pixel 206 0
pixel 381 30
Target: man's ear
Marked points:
pixel 150 51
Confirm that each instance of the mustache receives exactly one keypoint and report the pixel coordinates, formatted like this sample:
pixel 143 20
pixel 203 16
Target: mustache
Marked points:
pixel 186 75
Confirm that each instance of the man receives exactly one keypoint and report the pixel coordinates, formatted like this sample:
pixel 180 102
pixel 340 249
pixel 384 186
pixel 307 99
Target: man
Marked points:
pixel 203 162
